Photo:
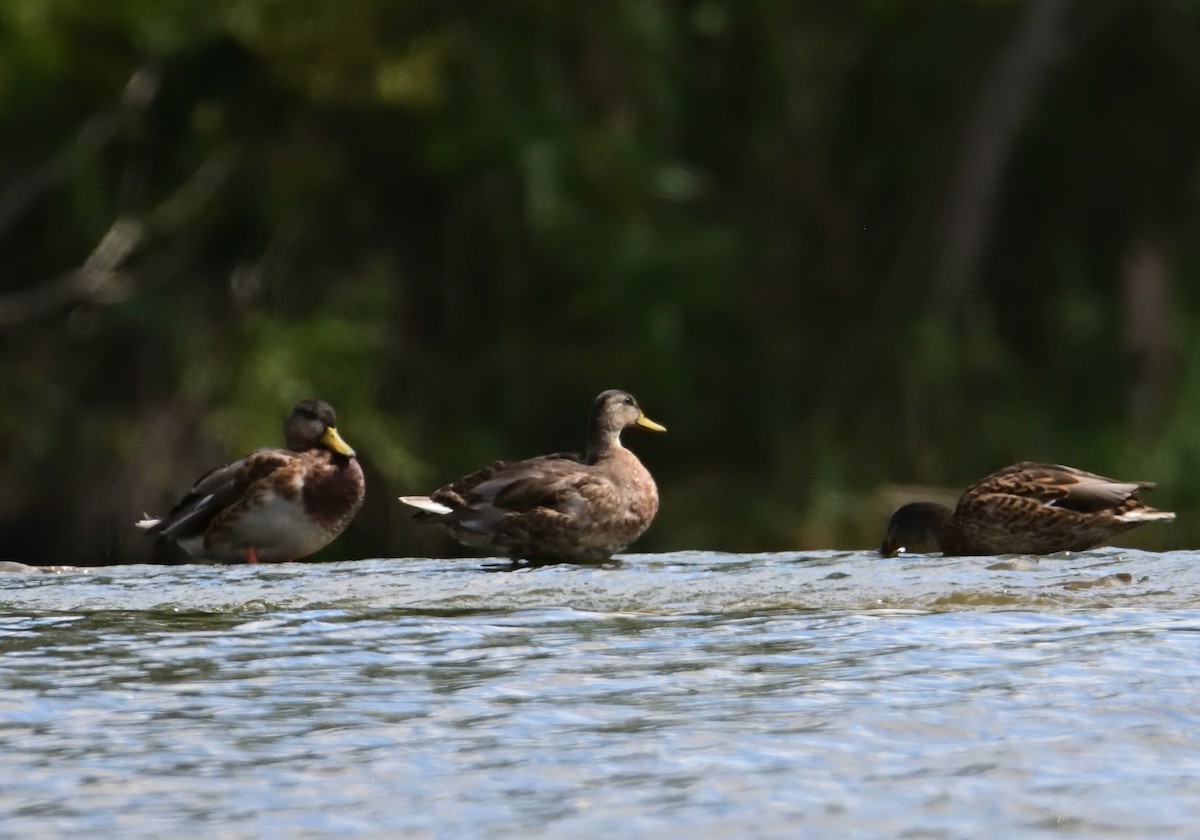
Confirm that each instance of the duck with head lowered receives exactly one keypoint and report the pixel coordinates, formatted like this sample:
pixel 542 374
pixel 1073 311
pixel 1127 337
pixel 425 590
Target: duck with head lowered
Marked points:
pixel 1026 508
pixel 560 507
pixel 273 504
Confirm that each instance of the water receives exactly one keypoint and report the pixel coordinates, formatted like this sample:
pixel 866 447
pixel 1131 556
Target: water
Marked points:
pixel 692 694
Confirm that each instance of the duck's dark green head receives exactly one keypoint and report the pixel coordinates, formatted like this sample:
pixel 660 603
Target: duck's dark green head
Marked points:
pixel 312 424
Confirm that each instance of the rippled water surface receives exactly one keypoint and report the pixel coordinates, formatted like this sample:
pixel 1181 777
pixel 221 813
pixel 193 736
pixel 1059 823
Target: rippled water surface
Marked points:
pixel 676 695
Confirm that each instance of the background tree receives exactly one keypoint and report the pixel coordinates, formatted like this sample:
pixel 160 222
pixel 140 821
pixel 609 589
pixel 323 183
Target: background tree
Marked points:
pixel 834 247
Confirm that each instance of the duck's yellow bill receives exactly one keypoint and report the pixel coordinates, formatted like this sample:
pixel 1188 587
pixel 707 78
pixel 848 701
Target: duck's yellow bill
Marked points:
pixel 334 441
pixel 646 423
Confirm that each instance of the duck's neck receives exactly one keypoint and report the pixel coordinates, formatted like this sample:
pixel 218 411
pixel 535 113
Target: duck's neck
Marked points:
pixel 602 443
pixel 937 516
pixel 921 522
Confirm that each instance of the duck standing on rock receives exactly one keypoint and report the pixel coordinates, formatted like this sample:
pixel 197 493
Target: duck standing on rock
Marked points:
pixel 559 507
pixel 1027 508
pixel 274 504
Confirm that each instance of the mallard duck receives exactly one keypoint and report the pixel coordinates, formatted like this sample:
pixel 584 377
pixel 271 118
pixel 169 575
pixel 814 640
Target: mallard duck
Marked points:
pixel 559 507
pixel 273 504
pixel 1027 508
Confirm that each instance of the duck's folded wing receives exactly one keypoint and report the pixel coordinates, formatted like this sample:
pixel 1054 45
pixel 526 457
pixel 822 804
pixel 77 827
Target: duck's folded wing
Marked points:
pixel 515 501
pixel 482 486
pixel 1061 486
pixel 218 489
pixel 551 489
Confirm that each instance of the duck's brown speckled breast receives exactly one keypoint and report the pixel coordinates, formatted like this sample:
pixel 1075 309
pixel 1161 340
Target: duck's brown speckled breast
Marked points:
pixel 639 492
pixel 334 490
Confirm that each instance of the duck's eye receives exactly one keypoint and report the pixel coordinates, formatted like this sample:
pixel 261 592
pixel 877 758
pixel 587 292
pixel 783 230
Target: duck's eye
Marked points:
pixel 628 400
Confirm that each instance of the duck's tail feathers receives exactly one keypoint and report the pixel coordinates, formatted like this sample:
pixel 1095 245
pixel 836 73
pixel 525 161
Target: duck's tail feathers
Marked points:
pixel 1146 515
pixel 426 504
pixel 147 524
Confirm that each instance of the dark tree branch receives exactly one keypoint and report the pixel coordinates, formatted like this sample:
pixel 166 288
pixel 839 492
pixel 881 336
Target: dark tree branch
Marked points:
pixel 96 133
pixel 99 280
pixel 991 132
pixel 1001 110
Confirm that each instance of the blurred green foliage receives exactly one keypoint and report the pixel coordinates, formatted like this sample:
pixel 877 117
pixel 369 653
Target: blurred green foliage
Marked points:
pixel 834 247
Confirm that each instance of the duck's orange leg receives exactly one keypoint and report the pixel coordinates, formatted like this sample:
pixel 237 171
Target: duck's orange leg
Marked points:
pixel 251 555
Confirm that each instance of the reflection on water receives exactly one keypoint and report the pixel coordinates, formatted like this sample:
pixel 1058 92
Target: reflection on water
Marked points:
pixel 777 695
